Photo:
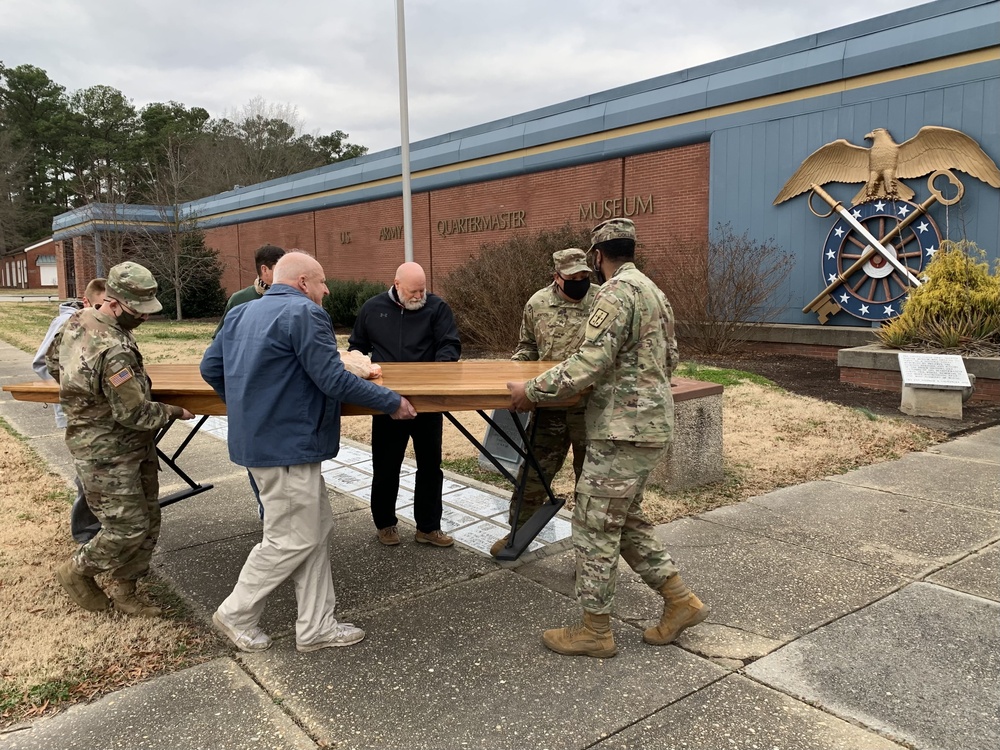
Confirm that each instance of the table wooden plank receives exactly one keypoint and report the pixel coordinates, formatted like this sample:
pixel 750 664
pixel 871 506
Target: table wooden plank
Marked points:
pixel 429 386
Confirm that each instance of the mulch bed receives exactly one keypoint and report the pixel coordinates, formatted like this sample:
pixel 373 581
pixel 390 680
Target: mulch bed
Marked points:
pixel 820 378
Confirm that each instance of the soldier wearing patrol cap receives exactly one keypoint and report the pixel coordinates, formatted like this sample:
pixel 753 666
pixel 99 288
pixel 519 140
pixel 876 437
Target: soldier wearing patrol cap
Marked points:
pixel 552 329
pixel 627 355
pixel 111 426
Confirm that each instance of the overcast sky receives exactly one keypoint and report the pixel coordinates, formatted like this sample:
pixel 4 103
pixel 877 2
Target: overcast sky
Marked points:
pixel 469 61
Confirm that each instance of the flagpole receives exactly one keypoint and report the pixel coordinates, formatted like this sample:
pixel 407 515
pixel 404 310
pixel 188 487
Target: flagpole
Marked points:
pixel 404 134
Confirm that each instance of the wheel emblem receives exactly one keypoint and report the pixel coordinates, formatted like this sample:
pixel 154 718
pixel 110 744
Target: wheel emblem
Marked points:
pixel 876 290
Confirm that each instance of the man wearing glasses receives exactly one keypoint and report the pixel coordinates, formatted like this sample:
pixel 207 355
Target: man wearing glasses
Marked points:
pixel 83 523
pixel 111 423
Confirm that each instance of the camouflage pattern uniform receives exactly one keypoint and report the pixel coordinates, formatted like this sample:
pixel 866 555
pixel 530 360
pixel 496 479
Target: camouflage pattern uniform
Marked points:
pixel 112 424
pixel 628 354
pixel 552 329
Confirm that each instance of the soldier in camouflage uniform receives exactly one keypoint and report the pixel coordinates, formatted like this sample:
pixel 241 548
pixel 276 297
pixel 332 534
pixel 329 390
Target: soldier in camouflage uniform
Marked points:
pixel 628 353
pixel 111 426
pixel 552 329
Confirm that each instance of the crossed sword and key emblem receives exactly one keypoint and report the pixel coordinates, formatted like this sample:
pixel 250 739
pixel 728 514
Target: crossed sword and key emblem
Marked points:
pixel 933 150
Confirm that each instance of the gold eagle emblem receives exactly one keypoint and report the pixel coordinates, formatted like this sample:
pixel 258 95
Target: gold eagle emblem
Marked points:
pixel 882 166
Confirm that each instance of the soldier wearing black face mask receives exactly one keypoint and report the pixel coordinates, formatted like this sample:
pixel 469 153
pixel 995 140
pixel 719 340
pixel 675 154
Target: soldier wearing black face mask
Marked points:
pixel 552 329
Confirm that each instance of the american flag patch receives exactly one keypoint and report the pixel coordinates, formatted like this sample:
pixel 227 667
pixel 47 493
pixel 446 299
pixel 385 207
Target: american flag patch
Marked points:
pixel 120 377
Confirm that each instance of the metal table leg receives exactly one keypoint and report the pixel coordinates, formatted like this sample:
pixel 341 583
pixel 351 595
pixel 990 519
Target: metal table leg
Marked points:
pixel 195 488
pixel 519 537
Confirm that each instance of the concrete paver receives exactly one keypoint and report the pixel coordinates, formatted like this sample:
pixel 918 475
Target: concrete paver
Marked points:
pixel 366 574
pixel 942 478
pixel 465 666
pixel 922 665
pixel 211 706
pixel 738 713
pixel 884 529
pixel 976 574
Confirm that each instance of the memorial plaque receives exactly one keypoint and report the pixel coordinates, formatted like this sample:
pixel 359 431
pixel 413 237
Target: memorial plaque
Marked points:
pixel 481 503
pixel 944 371
pixel 499 448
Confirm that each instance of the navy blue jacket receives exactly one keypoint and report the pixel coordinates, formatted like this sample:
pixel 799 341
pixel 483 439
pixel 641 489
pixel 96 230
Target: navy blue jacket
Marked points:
pixel 276 366
pixel 390 333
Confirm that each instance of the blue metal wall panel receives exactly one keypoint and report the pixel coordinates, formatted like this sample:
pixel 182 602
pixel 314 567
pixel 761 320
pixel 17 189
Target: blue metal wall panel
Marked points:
pixel 780 147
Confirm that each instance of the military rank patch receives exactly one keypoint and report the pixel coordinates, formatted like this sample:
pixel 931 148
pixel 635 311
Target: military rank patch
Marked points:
pixel 598 318
pixel 121 377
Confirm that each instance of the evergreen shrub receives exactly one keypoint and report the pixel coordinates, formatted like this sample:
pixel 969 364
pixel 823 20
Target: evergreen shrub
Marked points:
pixel 957 308
pixel 346 298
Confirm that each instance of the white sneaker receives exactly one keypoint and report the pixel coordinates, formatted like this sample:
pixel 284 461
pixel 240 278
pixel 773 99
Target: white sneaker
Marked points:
pixel 343 634
pixel 250 640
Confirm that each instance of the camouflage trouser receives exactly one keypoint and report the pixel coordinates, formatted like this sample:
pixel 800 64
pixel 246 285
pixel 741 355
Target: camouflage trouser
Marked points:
pixel 608 521
pixel 558 429
pixel 124 495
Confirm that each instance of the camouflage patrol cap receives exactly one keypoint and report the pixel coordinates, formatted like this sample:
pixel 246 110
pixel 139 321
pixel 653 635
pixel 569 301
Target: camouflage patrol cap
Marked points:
pixel 571 260
pixel 134 286
pixel 612 229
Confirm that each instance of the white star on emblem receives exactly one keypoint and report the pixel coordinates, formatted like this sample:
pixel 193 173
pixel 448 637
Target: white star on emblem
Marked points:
pixel 923 226
pixel 856 214
pixel 843 298
pixel 864 309
pixel 880 206
pixel 839 231
pixel 930 251
pixel 830 254
pixel 903 210
pixel 831 278
pixel 887 310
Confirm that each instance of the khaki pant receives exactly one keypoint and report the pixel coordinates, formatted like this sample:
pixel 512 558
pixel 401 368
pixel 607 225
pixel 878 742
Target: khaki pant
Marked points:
pixel 297 526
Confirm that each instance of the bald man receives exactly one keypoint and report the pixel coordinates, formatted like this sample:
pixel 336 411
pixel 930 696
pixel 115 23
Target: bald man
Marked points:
pixel 276 366
pixel 407 324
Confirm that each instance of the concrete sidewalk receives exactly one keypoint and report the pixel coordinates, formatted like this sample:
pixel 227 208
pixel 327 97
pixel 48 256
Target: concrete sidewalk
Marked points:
pixel 856 612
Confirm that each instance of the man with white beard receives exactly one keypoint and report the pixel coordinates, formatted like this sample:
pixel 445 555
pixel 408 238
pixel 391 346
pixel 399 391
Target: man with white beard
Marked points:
pixel 407 324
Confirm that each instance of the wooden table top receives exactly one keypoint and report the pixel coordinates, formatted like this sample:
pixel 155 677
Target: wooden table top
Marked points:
pixel 429 386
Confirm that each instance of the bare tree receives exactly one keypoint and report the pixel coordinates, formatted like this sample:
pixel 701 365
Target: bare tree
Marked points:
pixel 724 289
pixel 174 248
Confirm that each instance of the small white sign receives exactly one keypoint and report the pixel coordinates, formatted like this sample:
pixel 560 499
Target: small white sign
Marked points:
pixel 945 371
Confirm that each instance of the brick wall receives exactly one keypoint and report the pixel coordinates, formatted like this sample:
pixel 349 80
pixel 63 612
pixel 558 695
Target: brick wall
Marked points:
pixel 365 240
pixel 85 263
pixel 665 193
pixel 986 389
pixel 800 350
pixel 237 271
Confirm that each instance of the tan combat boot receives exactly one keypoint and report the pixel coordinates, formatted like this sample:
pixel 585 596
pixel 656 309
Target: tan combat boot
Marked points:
pixel 593 637
pixel 83 590
pixel 681 609
pixel 125 599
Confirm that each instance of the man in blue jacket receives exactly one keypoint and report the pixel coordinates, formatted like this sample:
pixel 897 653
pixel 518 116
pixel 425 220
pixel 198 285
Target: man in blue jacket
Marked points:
pixel 276 366
pixel 407 324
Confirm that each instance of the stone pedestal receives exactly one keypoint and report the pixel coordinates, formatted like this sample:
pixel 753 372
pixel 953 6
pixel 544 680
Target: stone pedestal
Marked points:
pixel 931 402
pixel 695 455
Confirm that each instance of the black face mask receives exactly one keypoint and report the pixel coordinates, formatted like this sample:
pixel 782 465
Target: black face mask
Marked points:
pixel 575 289
pixel 127 321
